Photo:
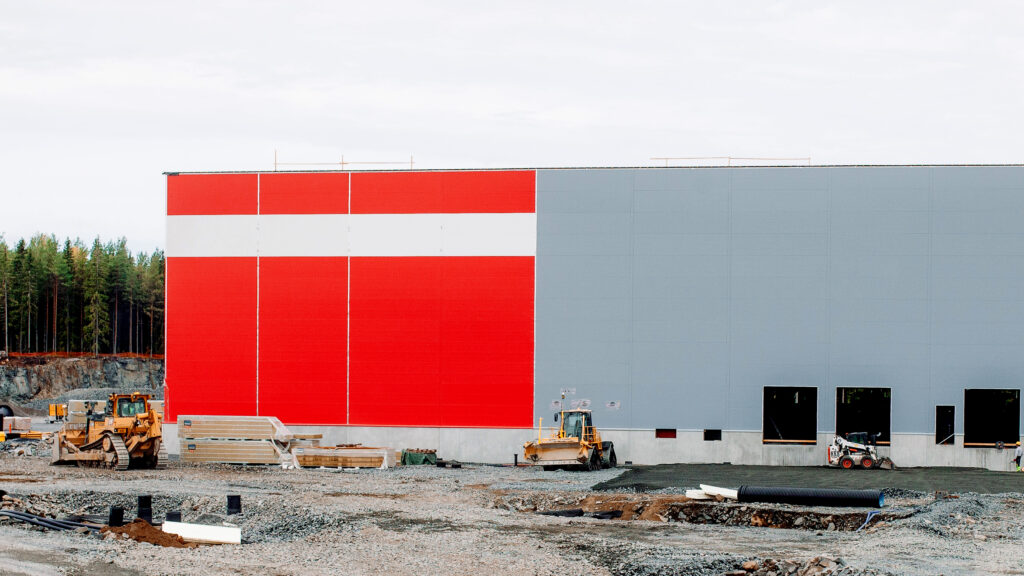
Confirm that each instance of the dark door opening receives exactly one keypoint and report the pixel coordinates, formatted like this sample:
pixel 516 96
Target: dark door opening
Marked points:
pixel 790 415
pixel 944 424
pixel 864 410
pixel 991 416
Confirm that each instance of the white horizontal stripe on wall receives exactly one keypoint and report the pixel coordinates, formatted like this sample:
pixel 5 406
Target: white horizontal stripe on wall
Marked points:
pixel 353 235
pixel 303 235
pixel 211 236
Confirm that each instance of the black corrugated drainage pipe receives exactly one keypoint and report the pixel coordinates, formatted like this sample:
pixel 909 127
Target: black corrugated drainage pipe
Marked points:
pixel 812 496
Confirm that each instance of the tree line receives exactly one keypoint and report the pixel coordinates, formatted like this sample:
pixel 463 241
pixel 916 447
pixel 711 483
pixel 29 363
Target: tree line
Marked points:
pixel 74 298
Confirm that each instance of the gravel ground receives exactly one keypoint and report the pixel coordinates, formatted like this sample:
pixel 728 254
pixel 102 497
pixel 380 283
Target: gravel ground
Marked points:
pixel 416 520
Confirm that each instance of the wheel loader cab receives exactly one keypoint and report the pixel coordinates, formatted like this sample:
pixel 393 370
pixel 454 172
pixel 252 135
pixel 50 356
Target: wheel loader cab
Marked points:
pixel 578 425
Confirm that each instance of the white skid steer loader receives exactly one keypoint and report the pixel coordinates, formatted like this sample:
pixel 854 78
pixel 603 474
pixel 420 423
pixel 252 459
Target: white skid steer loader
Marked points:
pixel 857 450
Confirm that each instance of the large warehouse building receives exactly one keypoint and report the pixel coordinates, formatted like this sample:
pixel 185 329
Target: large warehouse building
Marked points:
pixel 703 314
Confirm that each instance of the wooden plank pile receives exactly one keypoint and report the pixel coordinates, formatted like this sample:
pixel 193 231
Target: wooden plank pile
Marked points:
pixel 347 456
pixel 235 439
pixel 265 440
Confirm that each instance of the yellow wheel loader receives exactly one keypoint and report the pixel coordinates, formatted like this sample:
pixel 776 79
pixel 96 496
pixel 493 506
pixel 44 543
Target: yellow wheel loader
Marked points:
pixel 125 432
pixel 575 443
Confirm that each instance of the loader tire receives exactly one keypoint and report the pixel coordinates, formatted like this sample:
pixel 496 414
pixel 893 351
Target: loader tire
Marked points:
pixel 867 463
pixel 612 460
pixel 846 463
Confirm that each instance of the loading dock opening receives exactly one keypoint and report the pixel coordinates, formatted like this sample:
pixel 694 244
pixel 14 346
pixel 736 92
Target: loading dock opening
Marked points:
pixel 991 416
pixel 790 415
pixel 864 410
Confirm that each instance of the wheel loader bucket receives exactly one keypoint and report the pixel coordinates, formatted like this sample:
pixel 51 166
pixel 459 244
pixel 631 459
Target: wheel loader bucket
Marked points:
pixel 556 452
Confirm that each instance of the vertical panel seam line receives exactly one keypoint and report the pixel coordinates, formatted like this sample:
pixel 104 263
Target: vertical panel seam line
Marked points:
pixel 348 305
pixel 257 294
pixel 536 255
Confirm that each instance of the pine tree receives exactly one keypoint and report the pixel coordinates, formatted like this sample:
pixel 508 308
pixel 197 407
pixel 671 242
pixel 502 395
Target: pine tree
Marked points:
pixel 5 279
pixel 97 324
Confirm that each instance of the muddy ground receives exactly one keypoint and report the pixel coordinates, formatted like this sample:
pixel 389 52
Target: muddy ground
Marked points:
pixel 480 519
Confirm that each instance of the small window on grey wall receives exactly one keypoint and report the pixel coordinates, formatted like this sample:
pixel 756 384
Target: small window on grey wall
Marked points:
pixel 711 435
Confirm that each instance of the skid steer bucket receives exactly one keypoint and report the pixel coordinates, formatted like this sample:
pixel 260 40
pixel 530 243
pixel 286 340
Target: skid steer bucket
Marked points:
pixel 886 464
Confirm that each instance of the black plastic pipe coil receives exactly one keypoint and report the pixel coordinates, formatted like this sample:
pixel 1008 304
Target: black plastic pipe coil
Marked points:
pixel 44 522
pixel 812 496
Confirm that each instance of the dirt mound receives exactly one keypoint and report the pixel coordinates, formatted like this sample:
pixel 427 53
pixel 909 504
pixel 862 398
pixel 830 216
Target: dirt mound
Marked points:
pixel 633 506
pixel 142 531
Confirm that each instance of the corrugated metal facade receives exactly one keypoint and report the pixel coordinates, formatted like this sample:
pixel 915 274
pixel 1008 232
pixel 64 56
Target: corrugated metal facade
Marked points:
pixel 667 297
pixel 681 293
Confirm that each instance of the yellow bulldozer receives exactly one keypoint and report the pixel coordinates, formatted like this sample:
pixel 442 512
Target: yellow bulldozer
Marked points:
pixel 124 433
pixel 576 443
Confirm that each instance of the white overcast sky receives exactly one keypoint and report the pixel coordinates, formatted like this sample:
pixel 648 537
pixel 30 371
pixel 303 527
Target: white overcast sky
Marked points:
pixel 97 99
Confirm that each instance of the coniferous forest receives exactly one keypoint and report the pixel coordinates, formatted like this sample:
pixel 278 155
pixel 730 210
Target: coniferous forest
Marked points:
pixel 72 298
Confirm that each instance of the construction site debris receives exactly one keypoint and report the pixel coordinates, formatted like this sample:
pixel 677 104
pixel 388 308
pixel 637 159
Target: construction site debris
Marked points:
pixel 716 491
pixel 142 531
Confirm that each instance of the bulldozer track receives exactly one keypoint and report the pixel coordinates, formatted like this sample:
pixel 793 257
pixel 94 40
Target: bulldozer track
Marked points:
pixel 123 459
pixel 161 457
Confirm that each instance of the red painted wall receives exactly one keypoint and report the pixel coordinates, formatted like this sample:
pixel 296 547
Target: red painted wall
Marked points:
pixel 211 336
pixel 376 341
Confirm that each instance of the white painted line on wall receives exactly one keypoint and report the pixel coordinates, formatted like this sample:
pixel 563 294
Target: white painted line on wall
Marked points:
pixel 301 235
pixel 305 235
pixel 211 236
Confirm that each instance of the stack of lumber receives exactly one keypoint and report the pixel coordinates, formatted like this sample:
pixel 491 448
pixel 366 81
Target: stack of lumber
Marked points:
pixel 235 439
pixel 17 424
pixel 346 456
pixel 265 440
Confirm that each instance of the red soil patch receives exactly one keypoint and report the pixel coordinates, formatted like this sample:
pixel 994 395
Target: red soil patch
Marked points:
pixel 142 531
pixel 634 507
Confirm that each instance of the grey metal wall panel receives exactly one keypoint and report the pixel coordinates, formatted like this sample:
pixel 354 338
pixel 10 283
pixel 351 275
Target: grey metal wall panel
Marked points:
pixel 681 293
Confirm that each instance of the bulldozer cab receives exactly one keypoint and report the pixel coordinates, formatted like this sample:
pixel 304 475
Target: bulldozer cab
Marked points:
pixel 578 424
pixel 127 406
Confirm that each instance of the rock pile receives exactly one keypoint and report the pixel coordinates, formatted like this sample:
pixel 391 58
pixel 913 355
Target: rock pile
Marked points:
pixel 817 566
pixel 9 502
pixel 24 447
